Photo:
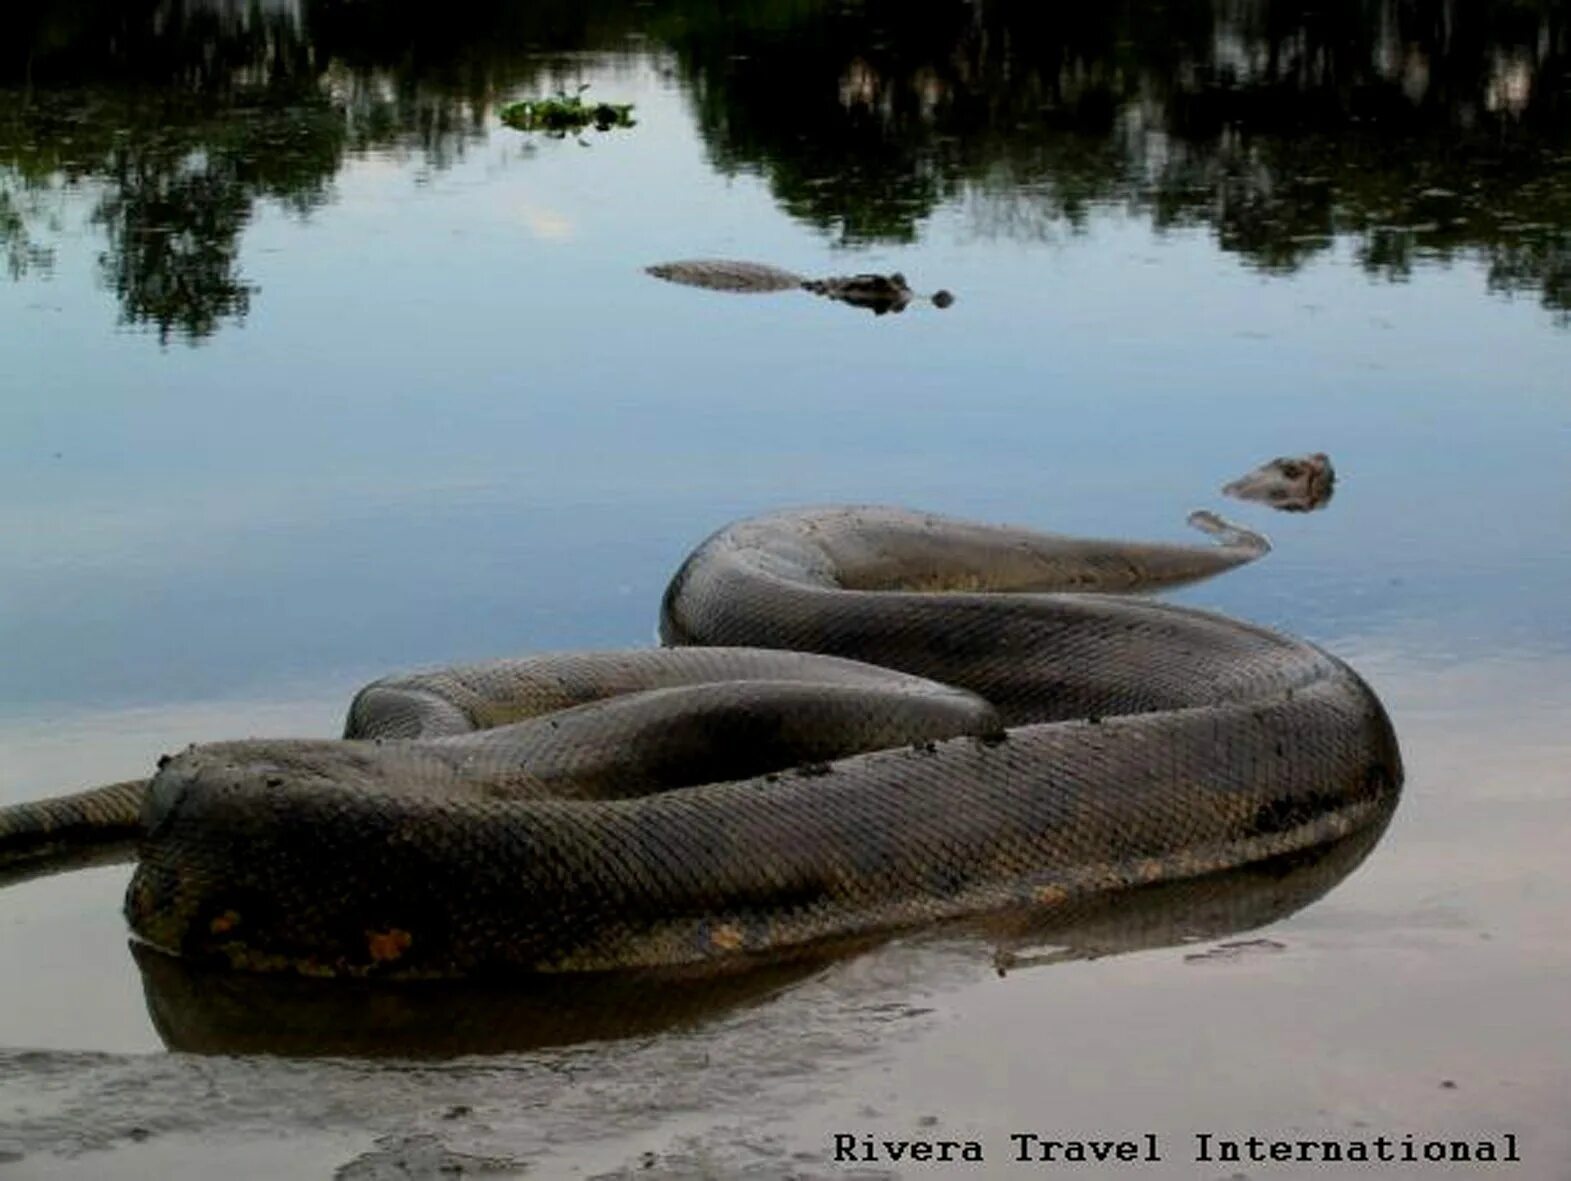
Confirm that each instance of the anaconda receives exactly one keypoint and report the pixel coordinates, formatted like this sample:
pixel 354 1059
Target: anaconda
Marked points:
pixel 204 1010
pixel 864 719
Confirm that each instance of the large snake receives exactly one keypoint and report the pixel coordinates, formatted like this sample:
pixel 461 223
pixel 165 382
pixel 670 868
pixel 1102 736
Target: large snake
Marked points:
pixel 864 719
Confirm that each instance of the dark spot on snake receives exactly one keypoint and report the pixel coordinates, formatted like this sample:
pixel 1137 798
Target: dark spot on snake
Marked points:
pixel 274 781
pixel 797 898
pixel 164 761
pixel 945 881
pixel 457 1111
pixel 925 747
pixel 1093 719
pixel 1288 812
pixel 1380 781
pixel 807 770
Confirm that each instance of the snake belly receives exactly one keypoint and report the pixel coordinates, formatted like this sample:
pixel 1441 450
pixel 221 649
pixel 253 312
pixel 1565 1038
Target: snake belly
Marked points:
pixel 864 719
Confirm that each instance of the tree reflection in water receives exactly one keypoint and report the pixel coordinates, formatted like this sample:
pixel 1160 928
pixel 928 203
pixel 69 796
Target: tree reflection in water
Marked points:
pixel 1420 130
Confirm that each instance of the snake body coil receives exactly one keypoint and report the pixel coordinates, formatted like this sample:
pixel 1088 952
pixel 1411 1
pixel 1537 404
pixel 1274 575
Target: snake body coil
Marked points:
pixel 865 719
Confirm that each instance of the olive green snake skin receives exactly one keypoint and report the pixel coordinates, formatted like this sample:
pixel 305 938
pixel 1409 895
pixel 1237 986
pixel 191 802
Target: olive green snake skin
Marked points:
pixel 865 719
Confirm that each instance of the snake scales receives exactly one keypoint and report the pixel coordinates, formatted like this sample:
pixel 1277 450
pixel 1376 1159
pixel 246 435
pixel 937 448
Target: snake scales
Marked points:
pixel 864 719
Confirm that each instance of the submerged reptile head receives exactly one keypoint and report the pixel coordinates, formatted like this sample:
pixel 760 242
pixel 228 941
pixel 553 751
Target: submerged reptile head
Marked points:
pixel 1293 485
pixel 877 293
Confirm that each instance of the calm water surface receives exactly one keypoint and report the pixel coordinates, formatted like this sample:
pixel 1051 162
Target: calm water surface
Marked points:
pixel 313 370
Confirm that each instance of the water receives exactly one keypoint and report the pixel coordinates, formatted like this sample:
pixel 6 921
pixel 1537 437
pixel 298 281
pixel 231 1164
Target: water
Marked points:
pixel 313 371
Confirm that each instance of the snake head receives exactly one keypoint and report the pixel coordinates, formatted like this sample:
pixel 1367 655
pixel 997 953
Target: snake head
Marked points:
pixel 1291 484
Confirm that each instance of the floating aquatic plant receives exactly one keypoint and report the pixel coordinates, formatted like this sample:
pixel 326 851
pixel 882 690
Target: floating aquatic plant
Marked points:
pixel 565 113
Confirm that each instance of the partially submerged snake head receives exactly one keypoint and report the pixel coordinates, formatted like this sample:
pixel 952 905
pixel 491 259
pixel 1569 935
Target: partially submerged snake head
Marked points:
pixel 1293 485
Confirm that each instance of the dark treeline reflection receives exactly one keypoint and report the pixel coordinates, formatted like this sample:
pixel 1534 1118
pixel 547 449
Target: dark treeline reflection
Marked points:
pixel 1421 129
pixel 1418 129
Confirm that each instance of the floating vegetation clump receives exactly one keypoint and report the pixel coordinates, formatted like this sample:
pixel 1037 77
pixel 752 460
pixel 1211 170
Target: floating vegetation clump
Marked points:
pixel 566 113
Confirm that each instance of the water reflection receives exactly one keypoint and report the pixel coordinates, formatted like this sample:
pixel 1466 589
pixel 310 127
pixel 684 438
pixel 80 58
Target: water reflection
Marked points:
pixel 212 1012
pixel 205 1011
pixel 1423 131
pixel 182 115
